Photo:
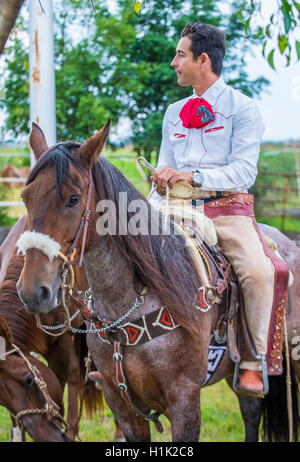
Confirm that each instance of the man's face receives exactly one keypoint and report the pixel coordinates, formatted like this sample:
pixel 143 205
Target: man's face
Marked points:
pixel 188 71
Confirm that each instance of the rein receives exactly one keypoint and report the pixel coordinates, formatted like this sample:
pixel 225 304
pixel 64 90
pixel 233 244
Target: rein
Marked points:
pixel 51 409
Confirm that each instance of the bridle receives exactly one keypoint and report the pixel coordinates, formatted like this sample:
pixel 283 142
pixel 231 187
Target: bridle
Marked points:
pixel 68 268
pixel 51 409
pixel 67 287
pixel 82 229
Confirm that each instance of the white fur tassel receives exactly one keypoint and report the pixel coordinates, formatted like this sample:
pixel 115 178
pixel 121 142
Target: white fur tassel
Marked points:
pixel 33 240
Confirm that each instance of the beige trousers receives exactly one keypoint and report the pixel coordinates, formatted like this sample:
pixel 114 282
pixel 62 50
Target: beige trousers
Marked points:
pixel 241 245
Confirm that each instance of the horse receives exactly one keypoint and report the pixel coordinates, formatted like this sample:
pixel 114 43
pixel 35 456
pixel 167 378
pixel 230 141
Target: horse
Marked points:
pixel 152 274
pixel 21 393
pixel 10 171
pixel 65 353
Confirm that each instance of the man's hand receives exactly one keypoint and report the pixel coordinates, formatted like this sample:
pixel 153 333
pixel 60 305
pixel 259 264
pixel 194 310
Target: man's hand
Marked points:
pixel 169 176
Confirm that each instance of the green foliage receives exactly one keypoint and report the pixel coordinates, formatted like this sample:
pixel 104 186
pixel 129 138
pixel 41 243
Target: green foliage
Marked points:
pixel 145 69
pixel 112 65
pixel 16 88
pixel 239 47
pixel 282 26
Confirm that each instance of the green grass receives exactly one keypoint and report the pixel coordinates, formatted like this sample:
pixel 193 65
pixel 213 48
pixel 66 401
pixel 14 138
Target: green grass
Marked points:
pixel 221 420
pixel 290 223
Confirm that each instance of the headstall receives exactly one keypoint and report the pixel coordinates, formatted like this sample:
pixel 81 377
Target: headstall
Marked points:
pixel 51 409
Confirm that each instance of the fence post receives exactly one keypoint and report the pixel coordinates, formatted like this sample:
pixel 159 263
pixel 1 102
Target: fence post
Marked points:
pixel 285 200
pixel 296 156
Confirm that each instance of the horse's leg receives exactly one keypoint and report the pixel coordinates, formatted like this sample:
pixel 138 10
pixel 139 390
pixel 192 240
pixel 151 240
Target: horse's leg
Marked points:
pixel 119 435
pixel 135 428
pixel 58 357
pixel 251 410
pixel 185 413
pixel 73 381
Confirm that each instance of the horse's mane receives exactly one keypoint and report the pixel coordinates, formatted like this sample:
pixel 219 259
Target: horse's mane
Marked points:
pixel 23 326
pixel 161 262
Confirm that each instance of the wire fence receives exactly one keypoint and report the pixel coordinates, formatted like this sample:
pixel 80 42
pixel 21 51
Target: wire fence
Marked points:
pixel 277 199
pixel 277 194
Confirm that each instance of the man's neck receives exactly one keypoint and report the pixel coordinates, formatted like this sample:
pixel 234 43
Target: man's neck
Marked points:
pixel 203 86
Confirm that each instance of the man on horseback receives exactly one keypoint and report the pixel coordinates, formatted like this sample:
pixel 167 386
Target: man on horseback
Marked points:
pixel 211 140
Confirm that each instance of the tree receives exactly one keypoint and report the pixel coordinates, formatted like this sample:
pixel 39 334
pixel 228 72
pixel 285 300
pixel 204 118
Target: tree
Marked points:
pixel 143 69
pixel 120 66
pixel 278 32
pixel 9 10
pixel 17 88
pixel 84 98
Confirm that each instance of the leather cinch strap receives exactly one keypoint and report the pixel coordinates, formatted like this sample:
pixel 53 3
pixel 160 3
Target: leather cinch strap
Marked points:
pixel 123 388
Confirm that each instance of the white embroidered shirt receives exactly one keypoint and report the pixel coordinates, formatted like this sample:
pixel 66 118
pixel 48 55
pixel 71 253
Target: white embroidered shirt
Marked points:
pixel 226 151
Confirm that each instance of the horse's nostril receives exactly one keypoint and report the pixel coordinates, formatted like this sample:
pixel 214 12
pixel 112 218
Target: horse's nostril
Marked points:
pixel 44 295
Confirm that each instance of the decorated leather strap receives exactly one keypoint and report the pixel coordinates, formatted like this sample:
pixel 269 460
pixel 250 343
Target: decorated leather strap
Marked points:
pixel 142 330
pixel 237 204
pixel 124 390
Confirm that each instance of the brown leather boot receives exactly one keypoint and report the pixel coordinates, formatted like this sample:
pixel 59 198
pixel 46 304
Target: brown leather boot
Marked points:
pixel 96 377
pixel 251 381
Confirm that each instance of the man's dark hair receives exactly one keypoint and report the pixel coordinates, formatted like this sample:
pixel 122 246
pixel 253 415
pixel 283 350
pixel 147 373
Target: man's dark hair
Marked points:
pixel 206 39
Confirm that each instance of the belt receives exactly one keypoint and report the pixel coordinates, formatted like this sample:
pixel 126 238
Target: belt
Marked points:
pixel 216 195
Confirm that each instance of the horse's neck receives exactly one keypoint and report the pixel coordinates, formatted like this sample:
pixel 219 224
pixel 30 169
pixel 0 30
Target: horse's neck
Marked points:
pixel 111 278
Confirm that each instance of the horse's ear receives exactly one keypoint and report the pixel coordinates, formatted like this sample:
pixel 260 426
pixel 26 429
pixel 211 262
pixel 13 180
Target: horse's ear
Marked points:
pixel 5 331
pixel 37 141
pixel 90 150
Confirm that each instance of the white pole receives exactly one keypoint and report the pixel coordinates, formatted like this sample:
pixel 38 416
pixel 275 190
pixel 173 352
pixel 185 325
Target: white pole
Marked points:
pixel 41 69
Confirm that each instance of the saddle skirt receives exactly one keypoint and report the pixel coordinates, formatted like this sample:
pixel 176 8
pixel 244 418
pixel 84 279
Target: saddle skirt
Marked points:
pixel 182 211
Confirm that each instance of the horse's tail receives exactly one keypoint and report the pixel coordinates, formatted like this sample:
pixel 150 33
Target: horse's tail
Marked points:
pixel 93 399
pixel 275 421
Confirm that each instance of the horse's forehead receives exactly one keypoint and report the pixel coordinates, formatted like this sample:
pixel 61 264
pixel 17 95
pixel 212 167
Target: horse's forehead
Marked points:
pixel 41 187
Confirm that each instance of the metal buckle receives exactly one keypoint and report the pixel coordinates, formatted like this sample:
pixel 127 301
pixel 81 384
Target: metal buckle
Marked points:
pixel 122 387
pixel 117 357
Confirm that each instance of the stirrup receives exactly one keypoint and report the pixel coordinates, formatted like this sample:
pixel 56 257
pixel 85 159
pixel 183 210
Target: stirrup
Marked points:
pixel 264 371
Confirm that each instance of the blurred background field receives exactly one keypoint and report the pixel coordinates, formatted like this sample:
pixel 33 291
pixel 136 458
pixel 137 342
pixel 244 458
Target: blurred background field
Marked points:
pixel 277 187
pixel 221 420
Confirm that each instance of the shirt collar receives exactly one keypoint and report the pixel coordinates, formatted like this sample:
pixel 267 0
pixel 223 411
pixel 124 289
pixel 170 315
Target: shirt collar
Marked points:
pixel 212 93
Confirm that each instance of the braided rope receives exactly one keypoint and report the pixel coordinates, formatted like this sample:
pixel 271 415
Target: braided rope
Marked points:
pixel 51 408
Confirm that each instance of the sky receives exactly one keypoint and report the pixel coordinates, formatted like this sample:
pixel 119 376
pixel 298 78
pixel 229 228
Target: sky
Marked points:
pixel 280 107
pixel 279 104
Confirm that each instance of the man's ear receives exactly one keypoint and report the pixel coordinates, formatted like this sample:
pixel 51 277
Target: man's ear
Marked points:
pixel 89 152
pixel 37 141
pixel 205 60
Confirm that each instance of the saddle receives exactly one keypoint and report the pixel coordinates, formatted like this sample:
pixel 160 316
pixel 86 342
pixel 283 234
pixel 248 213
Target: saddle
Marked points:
pixel 221 286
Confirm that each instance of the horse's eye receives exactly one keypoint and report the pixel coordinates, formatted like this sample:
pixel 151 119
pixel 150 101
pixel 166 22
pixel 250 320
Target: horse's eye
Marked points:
pixel 29 380
pixel 73 200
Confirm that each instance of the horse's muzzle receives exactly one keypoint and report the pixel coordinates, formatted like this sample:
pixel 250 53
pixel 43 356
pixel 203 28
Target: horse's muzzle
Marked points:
pixel 40 299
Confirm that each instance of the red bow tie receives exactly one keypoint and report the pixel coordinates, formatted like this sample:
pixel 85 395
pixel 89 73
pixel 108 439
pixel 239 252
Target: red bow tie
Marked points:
pixel 196 113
